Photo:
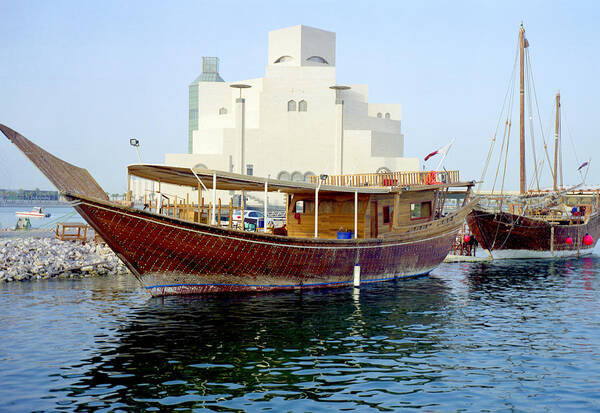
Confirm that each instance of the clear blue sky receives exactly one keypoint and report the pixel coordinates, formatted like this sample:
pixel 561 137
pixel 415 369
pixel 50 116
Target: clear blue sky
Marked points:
pixel 81 78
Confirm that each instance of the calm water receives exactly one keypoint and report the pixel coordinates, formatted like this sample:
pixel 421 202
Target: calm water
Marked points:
pixel 514 336
pixel 8 219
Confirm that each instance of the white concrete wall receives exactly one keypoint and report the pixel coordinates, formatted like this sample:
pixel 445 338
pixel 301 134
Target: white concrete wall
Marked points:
pixel 278 140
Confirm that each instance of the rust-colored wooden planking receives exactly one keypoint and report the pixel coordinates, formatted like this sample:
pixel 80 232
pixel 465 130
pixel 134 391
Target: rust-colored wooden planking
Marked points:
pixel 509 231
pixel 201 258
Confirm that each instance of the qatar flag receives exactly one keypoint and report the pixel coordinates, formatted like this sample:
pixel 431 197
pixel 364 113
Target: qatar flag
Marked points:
pixel 443 150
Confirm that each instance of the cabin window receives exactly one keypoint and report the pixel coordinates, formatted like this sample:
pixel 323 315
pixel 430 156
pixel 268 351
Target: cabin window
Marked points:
pixel 304 207
pixel 326 207
pixel 347 207
pixel 420 210
pixel 386 214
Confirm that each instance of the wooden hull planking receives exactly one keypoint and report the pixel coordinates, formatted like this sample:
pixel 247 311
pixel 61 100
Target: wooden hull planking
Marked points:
pixel 508 235
pixel 172 257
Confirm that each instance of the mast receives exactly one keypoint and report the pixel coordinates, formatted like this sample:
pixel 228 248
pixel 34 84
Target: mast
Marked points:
pixel 522 45
pixel 556 137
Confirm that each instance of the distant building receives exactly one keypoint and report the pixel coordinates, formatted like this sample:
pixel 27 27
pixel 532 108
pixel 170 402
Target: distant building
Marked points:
pixel 292 119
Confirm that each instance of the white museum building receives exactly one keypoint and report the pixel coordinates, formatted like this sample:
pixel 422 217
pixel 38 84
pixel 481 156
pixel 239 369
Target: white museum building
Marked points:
pixel 288 124
pixel 291 124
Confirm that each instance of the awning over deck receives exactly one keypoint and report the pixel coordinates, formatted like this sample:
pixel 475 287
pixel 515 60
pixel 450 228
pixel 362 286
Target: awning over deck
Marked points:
pixel 231 181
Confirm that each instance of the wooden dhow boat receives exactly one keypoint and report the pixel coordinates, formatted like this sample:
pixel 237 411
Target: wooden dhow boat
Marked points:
pixel 398 226
pixel 536 223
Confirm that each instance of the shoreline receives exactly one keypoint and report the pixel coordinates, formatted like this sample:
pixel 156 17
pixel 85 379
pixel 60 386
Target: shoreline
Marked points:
pixel 31 256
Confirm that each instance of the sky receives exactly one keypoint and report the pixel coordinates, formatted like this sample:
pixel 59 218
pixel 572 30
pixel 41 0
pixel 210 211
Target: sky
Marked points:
pixel 81 78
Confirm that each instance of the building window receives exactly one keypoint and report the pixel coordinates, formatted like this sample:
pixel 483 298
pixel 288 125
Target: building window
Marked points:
pixel 387 115
pixel 283 176
pixel 379 115
pixel 307 176
pixel 420 210
pixel 193 115
pixel 297 176
pixel 249 169
pixel 317 59
pixel 284 59
pixel 302 106
pixel 223 111
pixel 383 170
pixel 292 106
pixel 200 166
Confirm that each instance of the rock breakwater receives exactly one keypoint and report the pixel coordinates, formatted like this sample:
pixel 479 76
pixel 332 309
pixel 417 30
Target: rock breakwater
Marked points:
pixel 24 259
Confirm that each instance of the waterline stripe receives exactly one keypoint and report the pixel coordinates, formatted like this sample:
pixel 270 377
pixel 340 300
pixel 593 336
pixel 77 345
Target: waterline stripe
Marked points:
pixel 286 285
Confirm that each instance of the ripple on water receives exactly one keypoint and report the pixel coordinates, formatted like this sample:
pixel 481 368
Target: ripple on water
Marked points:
pixel 503 336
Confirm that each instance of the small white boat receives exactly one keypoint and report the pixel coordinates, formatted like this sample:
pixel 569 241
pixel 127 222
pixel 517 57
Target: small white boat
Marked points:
pixel 36 212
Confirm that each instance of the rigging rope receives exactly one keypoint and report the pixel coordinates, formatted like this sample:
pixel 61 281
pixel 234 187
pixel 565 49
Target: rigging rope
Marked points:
pixel 500 117
pixel 529 111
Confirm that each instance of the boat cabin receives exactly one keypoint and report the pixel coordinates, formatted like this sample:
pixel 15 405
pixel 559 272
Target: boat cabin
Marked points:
pixel 349 206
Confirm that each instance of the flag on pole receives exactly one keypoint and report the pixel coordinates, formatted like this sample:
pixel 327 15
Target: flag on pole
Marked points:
pixel 583 165
pixel 443 150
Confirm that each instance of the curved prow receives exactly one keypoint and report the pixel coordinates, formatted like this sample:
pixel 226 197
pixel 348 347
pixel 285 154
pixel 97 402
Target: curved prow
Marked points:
pixel 68 178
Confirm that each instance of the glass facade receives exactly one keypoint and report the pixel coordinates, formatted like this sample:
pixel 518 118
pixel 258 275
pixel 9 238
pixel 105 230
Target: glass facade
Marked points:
pixel 193 115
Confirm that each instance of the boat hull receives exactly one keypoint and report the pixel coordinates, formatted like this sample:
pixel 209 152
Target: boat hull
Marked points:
pixel 508 236
pixel 173 257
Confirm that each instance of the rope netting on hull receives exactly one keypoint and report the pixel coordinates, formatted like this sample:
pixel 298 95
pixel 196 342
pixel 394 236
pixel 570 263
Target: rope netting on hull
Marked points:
pixel 66 177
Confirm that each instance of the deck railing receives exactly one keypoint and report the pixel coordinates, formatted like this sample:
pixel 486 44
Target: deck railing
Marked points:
pixel 391 178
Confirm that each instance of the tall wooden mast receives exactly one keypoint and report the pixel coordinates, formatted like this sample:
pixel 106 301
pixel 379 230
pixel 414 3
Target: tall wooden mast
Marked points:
pixel 556 138
pixel 522 45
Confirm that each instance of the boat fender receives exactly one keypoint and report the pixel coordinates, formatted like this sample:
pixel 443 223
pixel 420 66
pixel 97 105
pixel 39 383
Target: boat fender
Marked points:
pixel 588 240
pixel 569 241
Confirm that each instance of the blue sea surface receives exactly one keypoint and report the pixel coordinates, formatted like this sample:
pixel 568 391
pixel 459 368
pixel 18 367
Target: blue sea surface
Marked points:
pixel 8 217
pixel 506 336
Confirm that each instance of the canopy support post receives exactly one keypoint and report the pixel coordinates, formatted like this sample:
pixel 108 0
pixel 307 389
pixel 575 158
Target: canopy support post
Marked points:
pixel 355 214
pixel 266 204
pixel 128 197
pixel 214 188
pixel 317 209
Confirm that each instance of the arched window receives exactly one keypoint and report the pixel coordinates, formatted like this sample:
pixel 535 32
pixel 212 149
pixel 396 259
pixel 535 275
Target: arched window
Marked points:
pixel 302 106
pixel 317 59
pixel 283 176
pixel 379 115
pixel 297 176
pixel 383 170
pixel 292 106
pixel 307 176
pixel 223 111
pixel 387 115
pixel 284 59
pixel 200 166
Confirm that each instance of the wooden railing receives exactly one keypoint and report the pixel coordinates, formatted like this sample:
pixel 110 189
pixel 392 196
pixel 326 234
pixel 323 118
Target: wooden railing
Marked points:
pixel 391 178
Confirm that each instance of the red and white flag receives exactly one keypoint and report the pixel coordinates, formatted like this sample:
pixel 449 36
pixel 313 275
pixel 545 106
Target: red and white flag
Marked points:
pixel 443 150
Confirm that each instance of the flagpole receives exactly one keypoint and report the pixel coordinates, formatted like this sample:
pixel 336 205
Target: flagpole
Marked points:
pixel 445 154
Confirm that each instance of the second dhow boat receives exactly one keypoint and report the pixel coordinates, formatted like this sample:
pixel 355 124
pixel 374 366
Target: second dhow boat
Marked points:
pixel 398 228
pixel 536 223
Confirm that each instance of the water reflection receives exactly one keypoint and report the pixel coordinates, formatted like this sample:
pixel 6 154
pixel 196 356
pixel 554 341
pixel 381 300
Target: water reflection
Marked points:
pixel 229 351
pixel 501 336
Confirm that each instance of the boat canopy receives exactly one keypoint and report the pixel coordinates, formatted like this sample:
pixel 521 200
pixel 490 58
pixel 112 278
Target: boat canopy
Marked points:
pixel 192 177
pixel 231 181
